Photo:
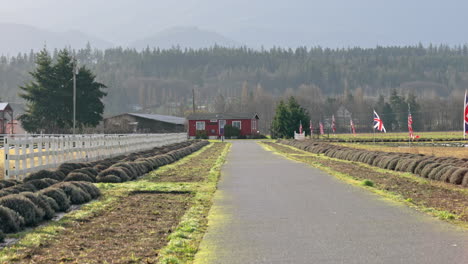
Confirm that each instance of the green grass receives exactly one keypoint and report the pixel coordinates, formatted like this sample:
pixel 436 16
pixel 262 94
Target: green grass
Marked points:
pixel 182 243
pixel 368 183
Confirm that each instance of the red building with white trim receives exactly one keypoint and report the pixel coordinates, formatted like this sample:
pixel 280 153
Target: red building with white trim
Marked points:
pixel 213 123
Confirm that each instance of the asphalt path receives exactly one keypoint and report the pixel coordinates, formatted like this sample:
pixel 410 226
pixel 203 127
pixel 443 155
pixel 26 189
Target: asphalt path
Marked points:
pixel 273 210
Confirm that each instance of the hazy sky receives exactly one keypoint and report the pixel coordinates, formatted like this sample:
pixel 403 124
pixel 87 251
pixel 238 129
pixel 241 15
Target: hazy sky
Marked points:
pixel 347 22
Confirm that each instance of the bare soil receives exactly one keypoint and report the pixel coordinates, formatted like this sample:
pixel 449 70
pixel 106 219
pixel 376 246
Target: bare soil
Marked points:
pixel 131 232
pixel 433 194
pixel 195 170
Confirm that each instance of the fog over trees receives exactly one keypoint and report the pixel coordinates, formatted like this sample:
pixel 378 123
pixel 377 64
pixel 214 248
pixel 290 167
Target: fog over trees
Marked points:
pixel 431 78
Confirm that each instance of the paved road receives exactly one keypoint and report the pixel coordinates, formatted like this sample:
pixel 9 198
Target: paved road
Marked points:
pixel 273 210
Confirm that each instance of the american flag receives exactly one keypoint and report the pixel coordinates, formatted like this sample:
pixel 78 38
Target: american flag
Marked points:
pixel 378 123
pixel 321 129
pixel 465 132
pixel 333 124
pixel 410 126
pixel 311 128
pixel 353 129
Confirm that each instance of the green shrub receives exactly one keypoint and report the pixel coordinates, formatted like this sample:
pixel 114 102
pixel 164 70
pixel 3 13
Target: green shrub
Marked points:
pixel 428 169
pixel 24 207
pixel 89 188
pixel 115 171
pixel 8 183
pixel 41 202
pixel 231 131
pixel 108 178
pixel 201 134
pixel 42 183
pixel 367 183
pixel 446 176
pixel 59 196
pixel 458 175
pixel 75 194
pixel 78 176
pixel 43 174
pixel 10 221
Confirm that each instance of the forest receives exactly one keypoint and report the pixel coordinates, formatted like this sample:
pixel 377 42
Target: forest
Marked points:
pixel 347 83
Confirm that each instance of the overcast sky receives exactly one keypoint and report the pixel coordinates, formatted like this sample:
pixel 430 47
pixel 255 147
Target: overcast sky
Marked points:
pixel 364 22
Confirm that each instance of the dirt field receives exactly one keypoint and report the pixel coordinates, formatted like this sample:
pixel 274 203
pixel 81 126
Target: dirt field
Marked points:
pixel 159 218
pixel 138 227
pixel 421 192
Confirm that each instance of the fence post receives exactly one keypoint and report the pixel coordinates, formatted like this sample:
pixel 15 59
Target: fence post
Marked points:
pixel 6 164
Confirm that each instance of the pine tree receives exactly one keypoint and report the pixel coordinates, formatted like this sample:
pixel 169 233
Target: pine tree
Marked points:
pixel 280 121
pixel 50 96
pixel 287 119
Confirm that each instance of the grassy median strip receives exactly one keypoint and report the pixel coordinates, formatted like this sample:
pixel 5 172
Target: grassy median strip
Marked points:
pixel 445 201
pixel 145 221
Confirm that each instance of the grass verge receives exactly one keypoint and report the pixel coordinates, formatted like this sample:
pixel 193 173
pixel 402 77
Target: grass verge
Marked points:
pixel 180 246
pixel 444 201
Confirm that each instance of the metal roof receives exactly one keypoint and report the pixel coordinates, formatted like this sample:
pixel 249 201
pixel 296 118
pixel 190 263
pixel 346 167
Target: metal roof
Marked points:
pixel 209 116
pixel 4 106
pixel 163 118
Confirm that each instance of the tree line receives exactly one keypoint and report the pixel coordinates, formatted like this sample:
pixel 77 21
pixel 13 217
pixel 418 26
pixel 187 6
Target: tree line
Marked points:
pixel 243 79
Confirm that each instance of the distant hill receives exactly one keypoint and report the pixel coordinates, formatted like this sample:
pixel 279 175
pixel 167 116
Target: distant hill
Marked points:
pixel 22 38
pixel 191 37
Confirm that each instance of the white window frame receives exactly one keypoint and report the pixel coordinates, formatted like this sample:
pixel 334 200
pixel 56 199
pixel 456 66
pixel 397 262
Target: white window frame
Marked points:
pixel 200 124
pixel 254 124
pixel 237 121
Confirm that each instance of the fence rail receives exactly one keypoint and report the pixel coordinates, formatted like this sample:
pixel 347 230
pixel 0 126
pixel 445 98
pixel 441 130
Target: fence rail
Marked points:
pixel 24 154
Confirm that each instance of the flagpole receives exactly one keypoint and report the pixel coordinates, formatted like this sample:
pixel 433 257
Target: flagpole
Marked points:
pixel 409 138
pixel 464 108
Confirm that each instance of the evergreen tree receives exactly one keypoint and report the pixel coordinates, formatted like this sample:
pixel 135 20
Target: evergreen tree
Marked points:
pixel 287 119
pixel 400 111
pixel 50 96
pixel 280 121
pixel 388 117
pixel 298 115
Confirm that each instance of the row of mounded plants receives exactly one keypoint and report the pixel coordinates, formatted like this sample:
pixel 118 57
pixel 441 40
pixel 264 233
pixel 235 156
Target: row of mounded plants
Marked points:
pixel 446 169
pixel 383 140
pixel 39 200
pixel 42 194
pixel 116 169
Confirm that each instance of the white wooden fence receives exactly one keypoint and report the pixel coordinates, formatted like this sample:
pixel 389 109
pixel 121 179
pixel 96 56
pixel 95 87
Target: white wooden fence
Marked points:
pixel 24 154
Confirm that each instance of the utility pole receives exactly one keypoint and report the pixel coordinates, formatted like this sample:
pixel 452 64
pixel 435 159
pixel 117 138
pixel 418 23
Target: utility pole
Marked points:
pixel 193 100
pixel 75 72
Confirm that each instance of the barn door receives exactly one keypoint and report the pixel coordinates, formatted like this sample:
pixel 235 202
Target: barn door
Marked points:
pixel 222 123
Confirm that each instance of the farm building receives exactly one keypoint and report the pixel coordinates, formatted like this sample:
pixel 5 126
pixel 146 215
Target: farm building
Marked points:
pixel 6 115
pixel 213 123
pixel 144 123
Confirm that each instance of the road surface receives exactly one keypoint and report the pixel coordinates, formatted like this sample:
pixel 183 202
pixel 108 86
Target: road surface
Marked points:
pixel 273 210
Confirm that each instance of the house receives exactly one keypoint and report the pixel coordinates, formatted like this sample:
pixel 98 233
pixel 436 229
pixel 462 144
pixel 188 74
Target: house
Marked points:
pixel 144 123
pixel 6 116
pixel 213 123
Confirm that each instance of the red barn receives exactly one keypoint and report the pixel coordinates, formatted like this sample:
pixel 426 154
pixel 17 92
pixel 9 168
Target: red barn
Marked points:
pixel 213 123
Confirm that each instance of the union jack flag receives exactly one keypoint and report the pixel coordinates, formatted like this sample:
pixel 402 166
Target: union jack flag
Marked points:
pixel 378 123
pixel 410 126
pixel 353 129
pixel 321 129
pixel 465 132
pixel 333 124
